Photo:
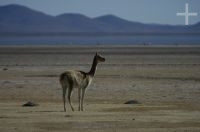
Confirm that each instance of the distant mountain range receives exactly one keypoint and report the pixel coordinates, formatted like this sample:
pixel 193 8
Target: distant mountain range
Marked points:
pixel 20 19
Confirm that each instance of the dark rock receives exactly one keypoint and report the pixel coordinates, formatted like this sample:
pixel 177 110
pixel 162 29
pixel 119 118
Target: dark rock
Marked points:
pixel 29 104
pixel 132 102
pixel 5 69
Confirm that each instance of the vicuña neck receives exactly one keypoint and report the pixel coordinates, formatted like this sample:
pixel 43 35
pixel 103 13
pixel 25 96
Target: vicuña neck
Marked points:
pixel 93 68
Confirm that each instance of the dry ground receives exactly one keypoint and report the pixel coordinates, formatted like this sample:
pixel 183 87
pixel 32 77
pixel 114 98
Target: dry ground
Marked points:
pixel 165 80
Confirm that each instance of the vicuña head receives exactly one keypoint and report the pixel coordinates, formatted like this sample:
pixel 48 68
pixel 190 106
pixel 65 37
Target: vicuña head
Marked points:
pixel 99 58
pixel 78 79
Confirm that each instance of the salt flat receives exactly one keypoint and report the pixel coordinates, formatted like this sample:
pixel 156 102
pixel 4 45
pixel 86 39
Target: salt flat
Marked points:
pixel 165 80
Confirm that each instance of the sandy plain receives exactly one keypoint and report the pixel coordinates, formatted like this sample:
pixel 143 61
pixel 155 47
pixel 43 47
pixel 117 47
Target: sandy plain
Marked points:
pixel 164 80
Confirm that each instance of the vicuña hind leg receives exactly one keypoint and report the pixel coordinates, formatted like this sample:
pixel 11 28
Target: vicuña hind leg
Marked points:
pixel 64 93
pixel 79 99
pixel 69 97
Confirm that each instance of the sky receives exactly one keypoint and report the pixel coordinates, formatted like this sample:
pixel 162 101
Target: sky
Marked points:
pixel 146 11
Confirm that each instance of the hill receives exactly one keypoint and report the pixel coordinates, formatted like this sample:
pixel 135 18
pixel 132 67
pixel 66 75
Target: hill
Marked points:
pixel 20 19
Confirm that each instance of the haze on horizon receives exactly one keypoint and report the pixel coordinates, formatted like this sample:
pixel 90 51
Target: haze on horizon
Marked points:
pixel 146 11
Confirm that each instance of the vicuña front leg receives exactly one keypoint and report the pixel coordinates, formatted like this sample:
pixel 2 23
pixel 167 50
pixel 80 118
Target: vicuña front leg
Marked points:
pixel 82 98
